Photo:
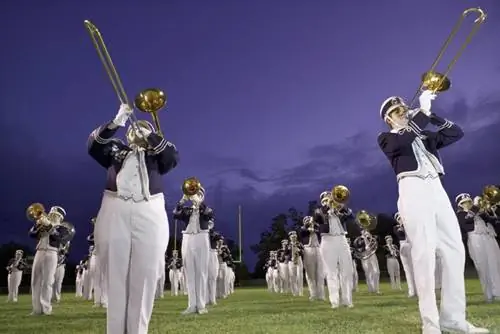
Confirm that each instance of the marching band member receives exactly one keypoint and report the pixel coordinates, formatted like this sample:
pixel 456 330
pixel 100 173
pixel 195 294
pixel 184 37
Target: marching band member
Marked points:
pixel 90 277
pixel 283 258
pixel 231 275
pixel 45 261
pixel 473 223
pixel 392 263
pixel 295 265
pixel 405 255
pixel 173 272
pixel 195 249
pixel 213 266
pixel 335 250
pixel 225 279
pixel 160 288
pixel 494 249
pixel 355 276
pixel 368 263
pixel 60 272
pixel 85 278
pixel 273 272
pixel 313 263
pixel 97 273
pixel 79 280
pixel 430 222
pixel 131 229
pixel 15 269
pixel 268 270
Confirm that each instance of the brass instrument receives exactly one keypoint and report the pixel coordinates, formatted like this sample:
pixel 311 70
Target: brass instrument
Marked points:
pixel 366 220
pixel 339 196
pixel 191 186
pixel 439 82
pixel 66 231
pixel 491 194
pixel 35 212
pixel 150 100
pixel 371 245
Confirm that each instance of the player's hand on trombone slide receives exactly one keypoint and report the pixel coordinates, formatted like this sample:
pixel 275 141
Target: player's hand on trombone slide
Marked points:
pixel 122 116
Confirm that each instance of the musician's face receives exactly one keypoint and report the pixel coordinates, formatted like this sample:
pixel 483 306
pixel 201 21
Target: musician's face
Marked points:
pixel 466 205
pixel 19 255
pixel 55 218
pixel 284 244
pixel 293 238
pixel 174 254
pixel 389 241
pixel 398 118
pixel 198 198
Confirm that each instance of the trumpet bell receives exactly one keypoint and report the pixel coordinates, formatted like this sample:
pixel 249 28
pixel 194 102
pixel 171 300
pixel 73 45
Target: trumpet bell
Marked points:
pixel 191 186
pixel 491 194
pixel 35 211
pixel 150 100
pixel 435 81
pixel 340 194
pixel 367 221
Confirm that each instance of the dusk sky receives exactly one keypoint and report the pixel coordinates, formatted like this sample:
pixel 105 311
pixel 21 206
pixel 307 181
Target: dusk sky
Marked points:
pixel 270 102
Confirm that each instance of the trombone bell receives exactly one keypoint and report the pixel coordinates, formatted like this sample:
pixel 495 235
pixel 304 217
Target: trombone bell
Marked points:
pixel 340 195
pixel 491 194
pixel 191 186
pixel 435 81
pixel 367 221
pixel 35 211
pixel 150 101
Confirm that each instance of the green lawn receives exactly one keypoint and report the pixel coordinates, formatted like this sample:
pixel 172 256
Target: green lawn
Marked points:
pixel 251 310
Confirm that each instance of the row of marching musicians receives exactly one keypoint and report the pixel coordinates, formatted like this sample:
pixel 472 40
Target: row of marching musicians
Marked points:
pixel 323 250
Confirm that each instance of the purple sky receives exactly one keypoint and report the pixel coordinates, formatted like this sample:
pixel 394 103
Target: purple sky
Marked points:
pixel 270 102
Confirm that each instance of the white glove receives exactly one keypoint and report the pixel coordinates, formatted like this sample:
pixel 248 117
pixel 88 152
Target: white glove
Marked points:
pixel 183 200
pixel 425 99
pixel 142 131
pixel 476 201
pixel 123 114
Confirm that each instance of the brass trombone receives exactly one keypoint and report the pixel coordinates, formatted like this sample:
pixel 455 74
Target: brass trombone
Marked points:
pixel 366 220
pixel 339 196
pixel 150 100
pixel 439 82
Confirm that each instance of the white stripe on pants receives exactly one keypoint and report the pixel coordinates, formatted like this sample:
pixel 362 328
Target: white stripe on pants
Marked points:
pixel 195 249
pixel 432 227
pixel 131 239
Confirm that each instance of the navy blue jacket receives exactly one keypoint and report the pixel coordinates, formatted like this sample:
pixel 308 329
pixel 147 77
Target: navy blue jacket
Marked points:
pixel 54 239
pixel 347 220
pixel 466 219
pixel 282 255
pixel 214 237
pixel 110 154
pixel 184 213
pixel 398 146
pixel 20 266
pixel 305 234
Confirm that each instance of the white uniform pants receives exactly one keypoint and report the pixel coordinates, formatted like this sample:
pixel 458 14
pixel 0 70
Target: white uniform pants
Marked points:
pixel 479 253
pixel 160 284
pixel 269 273
pixel 222 290
pixel 355 276
pixel 372 273
pixel 275 276
pixel 405 254
pixel 394 272
pixel 284 277
pixel 13 282
pixel 42 280
pixel 58 281
pixel 100 286
pixel 337 262
pixel 131 239
pixel 231 278
pixel 182 281
pixel 79 285
pixel 195 254
pixel 494 264
pixel 173 277
pixel 91 282
pixel 213 273
pixel 315 275
pixel 432 228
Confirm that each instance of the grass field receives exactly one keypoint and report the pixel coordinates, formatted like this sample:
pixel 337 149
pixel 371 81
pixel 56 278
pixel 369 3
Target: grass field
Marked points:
pixel 252 311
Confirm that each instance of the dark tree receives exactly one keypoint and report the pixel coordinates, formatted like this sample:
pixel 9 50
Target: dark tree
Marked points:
pixel 295 218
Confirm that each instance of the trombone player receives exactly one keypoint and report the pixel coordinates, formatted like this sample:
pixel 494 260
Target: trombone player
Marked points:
pixel 429 219
pixel 131 228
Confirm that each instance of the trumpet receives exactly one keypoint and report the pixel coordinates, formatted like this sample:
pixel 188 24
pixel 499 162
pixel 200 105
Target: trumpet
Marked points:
pixel 150 100
pixel 35 212
pixel 491 194
pixel 191 186
pixel 339 196
pixel 366 220
pixel 439 82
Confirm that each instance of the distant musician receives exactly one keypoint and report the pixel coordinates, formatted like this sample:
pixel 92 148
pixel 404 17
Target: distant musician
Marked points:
pixel 296 265
pixel 494 249
pixel 174 272
pixel 79 277
pixel 473 224
pixel 429 219
pixel 131 229
pixel 213 266
pixel 272 275
pixel 405 254
pixel 45 261
pixel 224 277
pixel 15 269
pixel 313 263
pixel 283 256
pixel 391 255
pixel 369 263
pixel 195 249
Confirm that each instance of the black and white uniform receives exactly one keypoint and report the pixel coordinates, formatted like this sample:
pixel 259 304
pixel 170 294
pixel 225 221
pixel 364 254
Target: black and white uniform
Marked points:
pixel 429 219
pixel 296 266
pixel 195 253
pixel 405 255
pixel 59 275
pixel 369 263
pixel 336 254
pixel 272 275
pixel 313 262
pixel 393 269
pixel 79 277
pixel 283 256
pixel 174 272
pixel 131 229
pixel 224 256
pixel 473 225
pixel 494 248
pixel 15 269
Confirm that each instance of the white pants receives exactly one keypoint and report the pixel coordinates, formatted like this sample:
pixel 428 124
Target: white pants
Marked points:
pixel 58 281
pixel 100 287
pixel 90 277
pixel 160 284
pixel 480 255
pixel 222 288
pixel 195 250
pixel 213 272
pixel 394 272
pixel 337 262
pixel 231 278
pixel 494 251
pixel 372 273
pixel 85 281
pixel 315 275
pixel 13 282
pixel 131 239
pixel 42 280
pixel 173 277
pixel 405 254
pixel 269 273
pixel 355 276
pixel 296 277
pixel 432 228
pixel 182 281
pixel 79 285
pixel 284 274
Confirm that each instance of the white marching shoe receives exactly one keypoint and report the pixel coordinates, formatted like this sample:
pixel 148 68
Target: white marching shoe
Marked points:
pixel 468 328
